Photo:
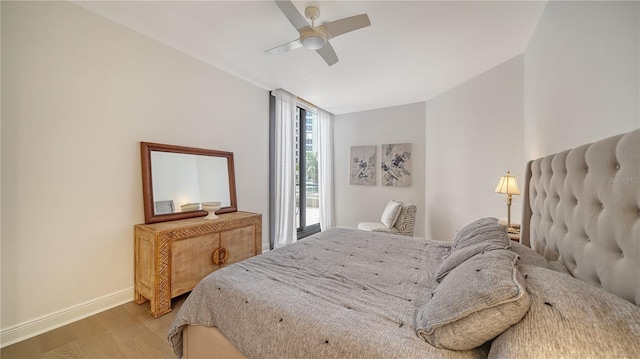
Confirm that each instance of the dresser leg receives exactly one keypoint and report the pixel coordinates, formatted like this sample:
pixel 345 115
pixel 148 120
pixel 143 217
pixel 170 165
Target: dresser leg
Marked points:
pixel 160 307
pixel 139 298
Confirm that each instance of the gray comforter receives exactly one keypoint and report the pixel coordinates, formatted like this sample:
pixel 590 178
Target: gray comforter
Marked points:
pixel 342 293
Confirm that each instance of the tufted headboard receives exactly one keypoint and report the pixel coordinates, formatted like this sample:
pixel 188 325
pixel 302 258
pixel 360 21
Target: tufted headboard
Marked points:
pixel 582 208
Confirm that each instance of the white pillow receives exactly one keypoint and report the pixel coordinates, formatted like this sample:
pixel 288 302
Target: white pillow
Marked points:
pixel 391 213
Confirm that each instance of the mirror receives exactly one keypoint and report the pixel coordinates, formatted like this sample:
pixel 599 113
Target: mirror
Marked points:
pixel 176 180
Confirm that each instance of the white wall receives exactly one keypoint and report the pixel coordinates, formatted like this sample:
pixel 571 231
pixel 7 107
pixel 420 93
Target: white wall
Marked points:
pixel 78 95
pixel 473 136
pixel 582 73
pixel 400 124
pixel 577 82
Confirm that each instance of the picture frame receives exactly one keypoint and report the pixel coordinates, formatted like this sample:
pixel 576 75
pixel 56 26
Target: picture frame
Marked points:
pixel 362 170
pixel 395 165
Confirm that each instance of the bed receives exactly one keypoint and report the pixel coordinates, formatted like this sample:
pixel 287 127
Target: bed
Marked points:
pixel 570 289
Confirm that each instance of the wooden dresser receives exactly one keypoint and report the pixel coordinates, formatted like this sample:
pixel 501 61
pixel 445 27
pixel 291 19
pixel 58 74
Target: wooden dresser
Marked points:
pixel 172 257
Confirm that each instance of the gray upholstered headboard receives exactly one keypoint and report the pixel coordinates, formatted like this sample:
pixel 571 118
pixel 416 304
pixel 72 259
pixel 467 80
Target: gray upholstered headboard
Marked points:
pixel 582 208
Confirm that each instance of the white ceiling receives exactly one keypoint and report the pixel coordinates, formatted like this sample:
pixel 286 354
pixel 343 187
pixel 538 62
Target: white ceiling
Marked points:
pixel 413 50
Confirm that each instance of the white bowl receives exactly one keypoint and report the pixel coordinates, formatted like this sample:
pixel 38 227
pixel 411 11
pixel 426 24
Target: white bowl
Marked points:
pixel 211 207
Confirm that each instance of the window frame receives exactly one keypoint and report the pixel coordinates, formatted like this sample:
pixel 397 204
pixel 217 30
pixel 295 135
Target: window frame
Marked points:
pixel 303 230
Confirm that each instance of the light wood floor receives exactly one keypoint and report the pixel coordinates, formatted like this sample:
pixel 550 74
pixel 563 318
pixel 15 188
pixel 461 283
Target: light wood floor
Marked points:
pixel 126 331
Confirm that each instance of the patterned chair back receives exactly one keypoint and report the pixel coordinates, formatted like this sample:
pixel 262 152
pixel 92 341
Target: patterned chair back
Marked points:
pixel 407 219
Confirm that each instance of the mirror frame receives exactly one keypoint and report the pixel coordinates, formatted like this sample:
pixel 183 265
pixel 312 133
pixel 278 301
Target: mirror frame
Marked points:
pixel 147 181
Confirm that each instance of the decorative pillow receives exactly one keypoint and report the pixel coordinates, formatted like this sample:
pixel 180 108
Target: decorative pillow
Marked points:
pixel 477 301
pixel 531 257
pixel 482 235
pixel 391 213
pixel 570 318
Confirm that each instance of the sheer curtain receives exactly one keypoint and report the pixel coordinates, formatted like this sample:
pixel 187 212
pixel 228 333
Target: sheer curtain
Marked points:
pixel 325 168
pixel 285 164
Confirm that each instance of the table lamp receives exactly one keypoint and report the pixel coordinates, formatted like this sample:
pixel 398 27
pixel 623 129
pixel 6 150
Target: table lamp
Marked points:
pixel 508 185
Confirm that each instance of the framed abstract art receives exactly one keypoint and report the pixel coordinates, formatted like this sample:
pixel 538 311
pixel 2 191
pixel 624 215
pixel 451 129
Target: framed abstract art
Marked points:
pixel 363 165
pixel 396 165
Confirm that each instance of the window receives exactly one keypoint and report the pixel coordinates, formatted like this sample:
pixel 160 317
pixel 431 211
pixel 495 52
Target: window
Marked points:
pixel 307 208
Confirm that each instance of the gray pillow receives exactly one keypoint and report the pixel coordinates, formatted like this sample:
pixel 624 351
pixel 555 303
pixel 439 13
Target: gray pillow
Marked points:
pixel 477 301
pixel 531 257
pixel 570 318
pixel 482 235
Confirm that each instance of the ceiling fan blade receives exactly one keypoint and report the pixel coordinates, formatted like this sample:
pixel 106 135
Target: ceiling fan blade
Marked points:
pixel 293 15
pixel 339 27
pixel 328 54
pixel 291 45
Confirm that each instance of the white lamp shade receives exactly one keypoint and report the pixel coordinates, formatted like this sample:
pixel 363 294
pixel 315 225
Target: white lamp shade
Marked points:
pixel 508 185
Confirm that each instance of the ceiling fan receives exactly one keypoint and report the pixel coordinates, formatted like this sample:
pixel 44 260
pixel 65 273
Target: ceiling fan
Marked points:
pixel 314 37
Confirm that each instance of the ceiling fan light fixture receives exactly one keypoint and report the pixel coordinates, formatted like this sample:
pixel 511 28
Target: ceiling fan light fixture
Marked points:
pixel 313 41
pixel 313 38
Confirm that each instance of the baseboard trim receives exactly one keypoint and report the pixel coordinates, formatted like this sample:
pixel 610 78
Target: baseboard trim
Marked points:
pixel 63 317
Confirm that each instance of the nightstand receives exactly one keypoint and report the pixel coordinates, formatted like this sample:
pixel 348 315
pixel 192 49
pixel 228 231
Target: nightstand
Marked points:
pixel 514 236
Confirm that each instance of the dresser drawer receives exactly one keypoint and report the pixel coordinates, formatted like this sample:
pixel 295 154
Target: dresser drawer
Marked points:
pixel 191 260
pixel 237 245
